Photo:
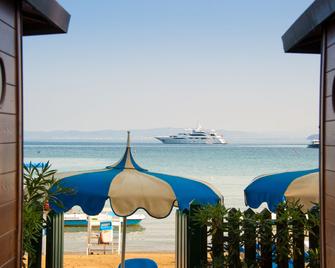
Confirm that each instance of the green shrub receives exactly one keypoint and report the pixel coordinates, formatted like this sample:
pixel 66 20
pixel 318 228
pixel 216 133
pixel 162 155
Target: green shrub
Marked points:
pixel 214 217
pixel 37 183
pixel 231 229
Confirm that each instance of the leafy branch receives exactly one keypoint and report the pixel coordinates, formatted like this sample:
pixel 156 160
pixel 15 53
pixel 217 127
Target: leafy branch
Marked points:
pixel 40 187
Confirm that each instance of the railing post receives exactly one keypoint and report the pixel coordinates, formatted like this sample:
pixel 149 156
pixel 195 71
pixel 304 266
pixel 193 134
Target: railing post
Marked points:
pixel 181 240
pixel 218 240
pixel 177 239
pixel 55 240
pixel 197 240
pixel 282 245
pixel 234 239
pixel 314 235
pixel 249 237
pixel 265 239
pixel 298 229
pixel 185 240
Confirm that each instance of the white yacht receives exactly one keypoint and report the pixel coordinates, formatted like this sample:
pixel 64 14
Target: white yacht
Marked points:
pixel 314 144
pixel 194 136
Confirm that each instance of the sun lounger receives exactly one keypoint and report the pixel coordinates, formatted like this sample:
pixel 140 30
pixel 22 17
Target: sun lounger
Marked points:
pixel 140 263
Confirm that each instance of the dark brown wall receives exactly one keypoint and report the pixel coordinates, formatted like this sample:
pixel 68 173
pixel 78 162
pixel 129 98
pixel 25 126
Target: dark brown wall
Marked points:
pixel 328 147
pixel 10 133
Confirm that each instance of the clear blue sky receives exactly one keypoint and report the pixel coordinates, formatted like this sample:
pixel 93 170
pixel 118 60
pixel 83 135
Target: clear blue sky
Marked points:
pixel 128 64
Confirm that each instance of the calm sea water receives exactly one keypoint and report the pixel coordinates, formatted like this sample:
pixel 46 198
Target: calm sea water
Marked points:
pixel 229 167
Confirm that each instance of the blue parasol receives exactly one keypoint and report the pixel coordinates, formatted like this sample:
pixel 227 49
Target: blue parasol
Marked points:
pixel 287 186
pixel 129 188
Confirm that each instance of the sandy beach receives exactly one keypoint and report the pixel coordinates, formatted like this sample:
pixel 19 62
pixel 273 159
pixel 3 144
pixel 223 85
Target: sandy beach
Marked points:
pixel 164 260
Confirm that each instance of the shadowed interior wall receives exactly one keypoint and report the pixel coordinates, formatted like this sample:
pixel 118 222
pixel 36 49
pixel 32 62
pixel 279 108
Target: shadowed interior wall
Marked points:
pixel 10 136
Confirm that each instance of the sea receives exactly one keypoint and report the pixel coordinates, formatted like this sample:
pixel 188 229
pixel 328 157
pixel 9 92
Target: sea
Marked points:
pixel 230 168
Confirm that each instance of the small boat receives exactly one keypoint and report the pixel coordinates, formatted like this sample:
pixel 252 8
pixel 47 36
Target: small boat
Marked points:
pixel 81 219
pixel 75 219
pixel 314 144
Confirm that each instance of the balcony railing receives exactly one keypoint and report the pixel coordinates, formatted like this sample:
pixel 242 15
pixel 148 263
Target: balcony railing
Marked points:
pixel 220 237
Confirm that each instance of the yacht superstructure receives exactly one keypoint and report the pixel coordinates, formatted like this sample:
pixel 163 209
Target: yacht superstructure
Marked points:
pixel 194 136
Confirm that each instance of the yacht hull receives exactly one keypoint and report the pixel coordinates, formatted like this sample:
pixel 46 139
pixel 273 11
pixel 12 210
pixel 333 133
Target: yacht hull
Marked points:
pixel 168 140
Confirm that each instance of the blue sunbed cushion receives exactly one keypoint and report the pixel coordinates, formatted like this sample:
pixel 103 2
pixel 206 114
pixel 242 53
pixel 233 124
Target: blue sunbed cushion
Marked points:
pixel 140 263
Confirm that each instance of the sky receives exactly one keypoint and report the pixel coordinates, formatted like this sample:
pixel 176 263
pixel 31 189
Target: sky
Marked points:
pixel 138 64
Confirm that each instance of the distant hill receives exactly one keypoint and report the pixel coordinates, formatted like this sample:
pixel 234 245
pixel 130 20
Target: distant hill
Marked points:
pixel 313 137
pixel 147 135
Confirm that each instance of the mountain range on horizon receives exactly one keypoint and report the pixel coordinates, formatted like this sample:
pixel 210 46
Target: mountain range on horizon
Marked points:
pixel 147 135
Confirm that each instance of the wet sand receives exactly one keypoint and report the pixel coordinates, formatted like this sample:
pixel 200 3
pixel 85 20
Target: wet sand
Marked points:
pixel 164 260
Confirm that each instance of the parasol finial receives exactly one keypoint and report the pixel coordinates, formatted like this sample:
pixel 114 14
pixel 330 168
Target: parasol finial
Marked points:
pixel 128 138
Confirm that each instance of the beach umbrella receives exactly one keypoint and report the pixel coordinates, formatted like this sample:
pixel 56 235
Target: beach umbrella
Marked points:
pixel 287 186
pixel 130 187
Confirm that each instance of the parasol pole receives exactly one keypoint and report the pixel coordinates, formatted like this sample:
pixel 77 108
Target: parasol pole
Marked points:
pixel 123 251
pixel 124 222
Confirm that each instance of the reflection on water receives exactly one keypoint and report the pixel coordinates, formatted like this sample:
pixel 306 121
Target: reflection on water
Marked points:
pixel 135 228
